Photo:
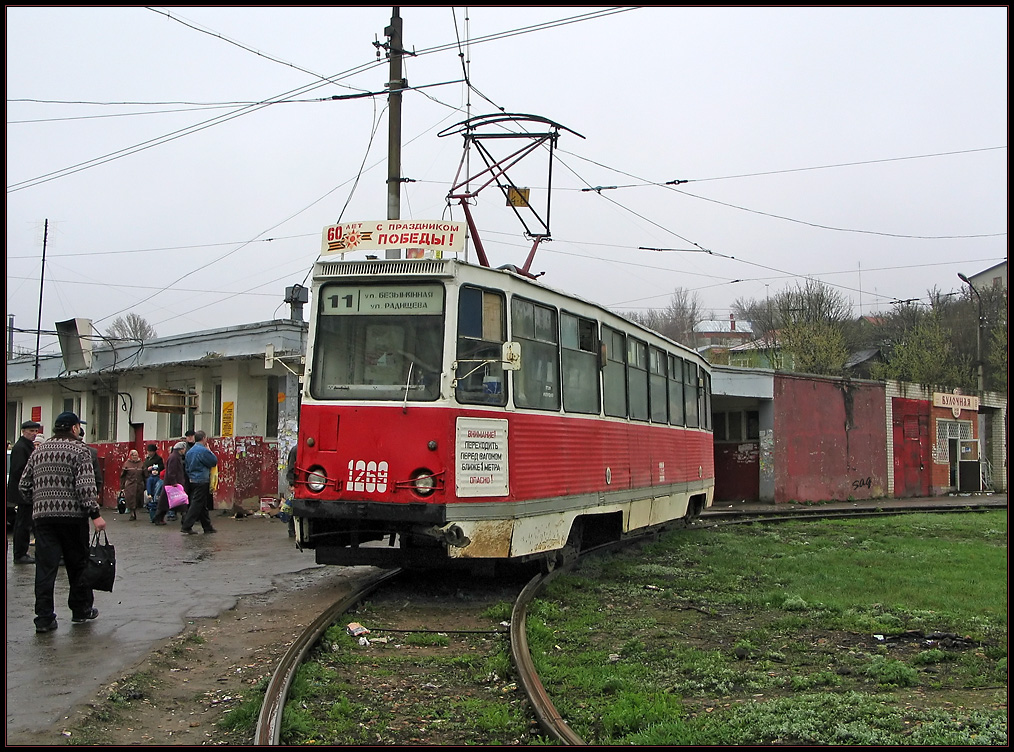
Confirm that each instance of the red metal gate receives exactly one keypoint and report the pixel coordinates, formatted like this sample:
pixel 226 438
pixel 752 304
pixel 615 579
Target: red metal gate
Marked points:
pixel 912 448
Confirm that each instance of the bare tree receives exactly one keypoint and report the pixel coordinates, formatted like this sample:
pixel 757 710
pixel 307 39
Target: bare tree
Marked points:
pixel 131 327
pixel 678 321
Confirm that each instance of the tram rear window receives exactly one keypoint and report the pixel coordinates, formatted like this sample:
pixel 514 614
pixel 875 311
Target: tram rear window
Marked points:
pixel 378 341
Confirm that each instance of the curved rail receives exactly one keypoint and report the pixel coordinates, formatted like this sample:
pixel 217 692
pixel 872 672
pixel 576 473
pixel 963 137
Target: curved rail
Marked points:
pixel 269 722
pixel 549 719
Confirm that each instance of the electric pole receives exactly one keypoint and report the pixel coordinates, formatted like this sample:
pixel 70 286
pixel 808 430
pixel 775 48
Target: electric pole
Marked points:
pixel 394 85
pixel 42 282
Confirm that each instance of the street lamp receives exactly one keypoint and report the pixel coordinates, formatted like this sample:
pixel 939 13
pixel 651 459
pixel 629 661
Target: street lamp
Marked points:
pixel 978 334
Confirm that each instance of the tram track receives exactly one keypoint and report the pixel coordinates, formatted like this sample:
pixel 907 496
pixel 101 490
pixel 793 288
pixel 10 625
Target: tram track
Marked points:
pixel 550 721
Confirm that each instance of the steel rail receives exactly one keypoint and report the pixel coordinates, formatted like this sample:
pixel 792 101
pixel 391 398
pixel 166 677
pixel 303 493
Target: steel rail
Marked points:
pixel 269 721
pixel 549 719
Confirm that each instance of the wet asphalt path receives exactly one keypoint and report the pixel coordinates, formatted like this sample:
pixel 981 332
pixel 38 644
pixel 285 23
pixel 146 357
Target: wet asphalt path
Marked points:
pixel 163 579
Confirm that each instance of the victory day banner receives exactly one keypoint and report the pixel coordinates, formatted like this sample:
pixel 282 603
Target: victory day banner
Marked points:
pixel 415 236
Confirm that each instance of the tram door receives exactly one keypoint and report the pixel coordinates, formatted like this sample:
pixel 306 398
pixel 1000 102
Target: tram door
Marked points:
pixel 912 448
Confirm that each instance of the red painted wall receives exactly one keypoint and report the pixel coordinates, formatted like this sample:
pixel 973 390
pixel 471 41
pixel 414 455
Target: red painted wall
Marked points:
pixel 247 467
pixel 830 439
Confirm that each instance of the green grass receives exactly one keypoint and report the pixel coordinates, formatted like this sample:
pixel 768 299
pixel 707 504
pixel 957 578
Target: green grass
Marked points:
pixel 769 634
pixel 785 633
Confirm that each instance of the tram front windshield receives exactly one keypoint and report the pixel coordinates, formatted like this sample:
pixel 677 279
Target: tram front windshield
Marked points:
pixel 378 342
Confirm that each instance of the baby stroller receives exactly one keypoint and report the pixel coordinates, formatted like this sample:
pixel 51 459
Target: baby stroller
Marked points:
pixel 151 504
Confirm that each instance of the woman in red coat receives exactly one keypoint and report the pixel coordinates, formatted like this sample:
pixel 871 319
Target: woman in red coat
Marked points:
pixel 132 482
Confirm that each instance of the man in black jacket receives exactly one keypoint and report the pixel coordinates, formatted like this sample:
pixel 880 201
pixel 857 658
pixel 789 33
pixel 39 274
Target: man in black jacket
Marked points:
pixel 16 503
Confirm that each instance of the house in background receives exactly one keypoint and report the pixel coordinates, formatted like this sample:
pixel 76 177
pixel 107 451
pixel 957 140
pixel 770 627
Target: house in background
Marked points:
pixel 717 339
pixel 760 353
pixel 995 277
pixel 722 334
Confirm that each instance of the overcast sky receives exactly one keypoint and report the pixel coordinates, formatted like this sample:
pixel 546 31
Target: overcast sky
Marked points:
pixel 862 147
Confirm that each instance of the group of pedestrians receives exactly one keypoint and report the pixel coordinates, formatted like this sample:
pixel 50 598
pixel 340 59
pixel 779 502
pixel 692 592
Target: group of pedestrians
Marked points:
pixel 190 466
pixel 56 487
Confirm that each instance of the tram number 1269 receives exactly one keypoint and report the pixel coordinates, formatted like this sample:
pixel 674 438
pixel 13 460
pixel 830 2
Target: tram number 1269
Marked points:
pixel 367 477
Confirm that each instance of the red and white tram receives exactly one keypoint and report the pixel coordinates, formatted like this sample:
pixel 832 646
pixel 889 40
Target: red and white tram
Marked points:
pixel 455 413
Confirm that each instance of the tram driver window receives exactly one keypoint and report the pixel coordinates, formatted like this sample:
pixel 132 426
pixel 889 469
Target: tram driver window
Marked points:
pixel 481 334
pixel 537 383
pixel 378 342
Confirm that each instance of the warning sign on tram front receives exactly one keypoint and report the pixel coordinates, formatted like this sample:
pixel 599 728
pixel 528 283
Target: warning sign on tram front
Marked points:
pixel 480 451
pixel 418 236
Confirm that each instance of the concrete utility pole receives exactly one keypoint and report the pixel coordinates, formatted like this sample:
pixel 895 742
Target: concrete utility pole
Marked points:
pixel 394 85
pixel 978 335
pixel 42 282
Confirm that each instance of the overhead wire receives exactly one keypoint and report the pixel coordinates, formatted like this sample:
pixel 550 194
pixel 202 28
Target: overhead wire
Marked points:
pixel 470 86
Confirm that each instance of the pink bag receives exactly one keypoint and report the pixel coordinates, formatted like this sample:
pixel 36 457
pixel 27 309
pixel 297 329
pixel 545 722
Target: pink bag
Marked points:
pixel 176 496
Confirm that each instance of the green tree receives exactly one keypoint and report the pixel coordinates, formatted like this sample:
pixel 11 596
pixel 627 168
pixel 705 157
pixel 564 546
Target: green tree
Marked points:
pixel 816 346
pixel 925 355
pixel 814 321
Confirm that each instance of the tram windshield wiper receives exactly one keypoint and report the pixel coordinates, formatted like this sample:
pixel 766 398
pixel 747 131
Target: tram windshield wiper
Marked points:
pixel 408 386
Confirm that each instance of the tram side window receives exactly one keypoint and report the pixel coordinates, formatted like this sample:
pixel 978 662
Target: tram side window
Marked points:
pixel 481 334
pixel 676 406
pixel 706 400
pixel 658 367
pixel 614 373
pixel 537 383
pixel 637 378
pixel 580 364
pixel 690 388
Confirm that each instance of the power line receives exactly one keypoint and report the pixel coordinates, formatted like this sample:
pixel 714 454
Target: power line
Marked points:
pixel 671 186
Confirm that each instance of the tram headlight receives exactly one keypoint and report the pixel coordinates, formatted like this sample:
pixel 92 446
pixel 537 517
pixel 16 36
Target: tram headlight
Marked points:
pixel 423 482
pixel 316 479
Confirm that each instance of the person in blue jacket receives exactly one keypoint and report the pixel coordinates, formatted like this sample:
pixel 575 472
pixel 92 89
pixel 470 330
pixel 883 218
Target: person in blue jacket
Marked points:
pixel 199 460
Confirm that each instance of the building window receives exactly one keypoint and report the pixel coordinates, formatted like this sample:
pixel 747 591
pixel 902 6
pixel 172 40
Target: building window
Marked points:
pixel 105 418
pixel 736 426
pixel 218 409
pixel 271 422
pixel 175 425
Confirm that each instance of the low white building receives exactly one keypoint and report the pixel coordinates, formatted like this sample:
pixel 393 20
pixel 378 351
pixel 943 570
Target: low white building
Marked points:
pixel 137 393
